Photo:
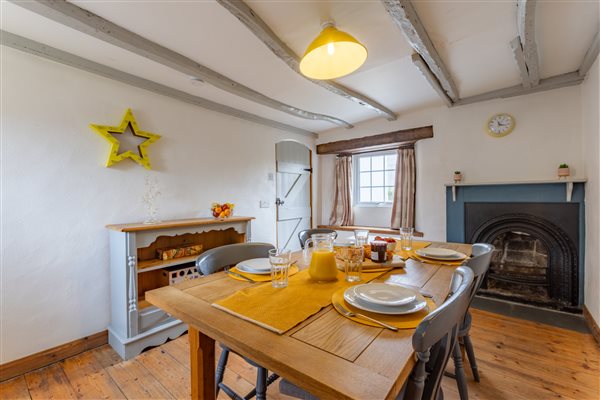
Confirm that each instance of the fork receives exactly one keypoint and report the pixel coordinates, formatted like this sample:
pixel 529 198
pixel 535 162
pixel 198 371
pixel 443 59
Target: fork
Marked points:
pixel 351 314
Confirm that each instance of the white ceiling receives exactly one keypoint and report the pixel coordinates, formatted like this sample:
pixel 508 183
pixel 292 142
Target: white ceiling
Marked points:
pixel 472 37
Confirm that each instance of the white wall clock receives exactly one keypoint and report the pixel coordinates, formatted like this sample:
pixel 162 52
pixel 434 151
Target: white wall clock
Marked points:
pixel 500 125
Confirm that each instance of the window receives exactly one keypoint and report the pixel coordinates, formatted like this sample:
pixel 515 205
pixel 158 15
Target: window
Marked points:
pixel 375 176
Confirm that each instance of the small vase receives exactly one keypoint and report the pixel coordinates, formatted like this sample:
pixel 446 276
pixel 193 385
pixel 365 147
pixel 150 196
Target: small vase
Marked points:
pixel 564 172
pixel 457 178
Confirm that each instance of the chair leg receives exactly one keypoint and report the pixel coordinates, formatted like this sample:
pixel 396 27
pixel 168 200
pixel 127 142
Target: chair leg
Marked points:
pixel 220 371
pixel 261 383
pixel 471 356
pixel 461 379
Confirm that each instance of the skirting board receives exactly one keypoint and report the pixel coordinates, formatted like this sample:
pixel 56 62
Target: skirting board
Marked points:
pixel 43 358
pixel 592 324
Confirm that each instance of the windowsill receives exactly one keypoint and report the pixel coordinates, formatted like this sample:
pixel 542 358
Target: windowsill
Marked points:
pixel 372 205
pixel 372 229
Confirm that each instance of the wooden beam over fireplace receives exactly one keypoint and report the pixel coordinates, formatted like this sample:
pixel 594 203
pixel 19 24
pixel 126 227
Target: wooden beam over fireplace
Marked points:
pixel 377 142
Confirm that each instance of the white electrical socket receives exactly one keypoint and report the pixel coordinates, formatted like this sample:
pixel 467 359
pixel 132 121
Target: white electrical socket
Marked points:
pixel 264 204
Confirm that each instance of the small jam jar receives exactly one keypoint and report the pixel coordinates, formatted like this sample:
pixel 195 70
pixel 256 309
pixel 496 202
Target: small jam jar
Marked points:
pixel 378 251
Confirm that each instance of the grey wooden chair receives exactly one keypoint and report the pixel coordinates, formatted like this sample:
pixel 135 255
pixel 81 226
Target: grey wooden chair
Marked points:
pixel 305 234
pixel 215 260
pixel 479 264
pixel 433 342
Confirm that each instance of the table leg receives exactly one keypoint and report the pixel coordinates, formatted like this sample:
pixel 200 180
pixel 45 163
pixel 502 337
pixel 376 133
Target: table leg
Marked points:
pixel 202 357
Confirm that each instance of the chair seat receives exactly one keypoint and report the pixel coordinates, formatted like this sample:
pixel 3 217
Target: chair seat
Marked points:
pixel 288 388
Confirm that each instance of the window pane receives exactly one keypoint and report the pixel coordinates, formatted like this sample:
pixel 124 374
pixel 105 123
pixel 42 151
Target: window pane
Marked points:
pixel 365 195
pixel 377 195
pixel 377 178
pixel 390 161
pixel 365 179
pixel 377 163
pixel 389 193
pixel 365 163
pixel 390 177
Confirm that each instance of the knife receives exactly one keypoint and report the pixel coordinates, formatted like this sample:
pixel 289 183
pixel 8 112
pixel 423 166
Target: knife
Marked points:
pixel 228 272
pixel 350 314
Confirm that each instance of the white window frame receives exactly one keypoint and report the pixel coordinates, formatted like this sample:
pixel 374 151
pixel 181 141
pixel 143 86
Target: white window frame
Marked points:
pixel 356 178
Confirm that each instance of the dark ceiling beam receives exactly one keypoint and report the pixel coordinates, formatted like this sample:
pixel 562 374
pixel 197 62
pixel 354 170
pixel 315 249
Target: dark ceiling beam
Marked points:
pixel 261 30
pixel 51 53
pixel 405 17
pixel 89 23
pixel 376 142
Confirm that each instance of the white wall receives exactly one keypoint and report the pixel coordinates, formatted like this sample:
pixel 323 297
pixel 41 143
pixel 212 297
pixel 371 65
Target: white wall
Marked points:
pixel 57 195
pixel 591 144
pixel 547 133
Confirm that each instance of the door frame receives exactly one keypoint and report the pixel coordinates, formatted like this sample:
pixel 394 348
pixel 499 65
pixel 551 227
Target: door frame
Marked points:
pixel 310 180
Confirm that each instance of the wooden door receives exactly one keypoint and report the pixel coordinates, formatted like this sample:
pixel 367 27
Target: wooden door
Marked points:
pixel 294 180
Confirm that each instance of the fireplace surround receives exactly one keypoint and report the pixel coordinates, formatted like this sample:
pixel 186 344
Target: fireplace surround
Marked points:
pixel 538 235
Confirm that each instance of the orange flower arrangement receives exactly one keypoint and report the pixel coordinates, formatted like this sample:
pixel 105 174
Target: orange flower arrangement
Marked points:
pixel 222 210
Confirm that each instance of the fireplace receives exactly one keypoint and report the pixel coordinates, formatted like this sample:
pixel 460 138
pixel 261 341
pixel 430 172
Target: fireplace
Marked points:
pixel 535 260
pixel 538 244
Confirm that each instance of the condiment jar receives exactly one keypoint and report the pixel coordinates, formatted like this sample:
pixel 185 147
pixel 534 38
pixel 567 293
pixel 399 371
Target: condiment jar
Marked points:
pixel 378 251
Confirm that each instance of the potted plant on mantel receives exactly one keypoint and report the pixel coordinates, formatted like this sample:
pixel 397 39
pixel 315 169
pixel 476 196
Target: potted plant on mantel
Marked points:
pixel 563 171
pixel 457 176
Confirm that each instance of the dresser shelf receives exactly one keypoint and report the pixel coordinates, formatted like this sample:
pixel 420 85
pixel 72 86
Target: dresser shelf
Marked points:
pixel 134 269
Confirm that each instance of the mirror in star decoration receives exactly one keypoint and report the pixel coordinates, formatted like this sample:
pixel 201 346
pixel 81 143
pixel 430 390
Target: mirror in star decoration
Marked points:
pixel 500 125
pixel 114 156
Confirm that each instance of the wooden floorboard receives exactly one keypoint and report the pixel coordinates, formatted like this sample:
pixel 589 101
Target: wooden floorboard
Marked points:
pixel 517 359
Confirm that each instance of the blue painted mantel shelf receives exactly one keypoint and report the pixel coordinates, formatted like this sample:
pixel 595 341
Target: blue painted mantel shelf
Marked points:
pixel 568 185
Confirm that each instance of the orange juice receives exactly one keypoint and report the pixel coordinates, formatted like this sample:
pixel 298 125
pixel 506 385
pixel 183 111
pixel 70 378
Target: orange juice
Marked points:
pixel 323 266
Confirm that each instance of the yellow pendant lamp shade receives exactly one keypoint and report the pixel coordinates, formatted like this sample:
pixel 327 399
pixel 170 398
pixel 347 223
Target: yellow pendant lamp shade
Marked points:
pixel 332 54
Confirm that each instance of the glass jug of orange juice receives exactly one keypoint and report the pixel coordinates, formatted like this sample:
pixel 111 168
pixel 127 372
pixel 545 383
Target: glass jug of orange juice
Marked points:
pixel 323 267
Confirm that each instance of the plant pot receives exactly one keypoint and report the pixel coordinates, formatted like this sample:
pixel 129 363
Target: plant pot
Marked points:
pixel 457 178
pixel 564 172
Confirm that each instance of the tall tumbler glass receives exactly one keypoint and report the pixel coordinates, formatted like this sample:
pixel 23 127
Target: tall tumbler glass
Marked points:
pixel 406 238
pixel 361 237
pixel 280 266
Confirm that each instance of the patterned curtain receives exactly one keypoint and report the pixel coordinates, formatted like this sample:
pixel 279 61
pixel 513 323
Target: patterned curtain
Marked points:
pixel 341 214
pixel 403 211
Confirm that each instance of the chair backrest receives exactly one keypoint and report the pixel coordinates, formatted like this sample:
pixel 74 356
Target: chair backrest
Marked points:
pixel 216 259
pixel 435 338
pixel 305 234
pixel 479 263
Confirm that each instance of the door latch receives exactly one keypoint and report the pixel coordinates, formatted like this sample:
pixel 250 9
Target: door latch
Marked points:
pixel 279 202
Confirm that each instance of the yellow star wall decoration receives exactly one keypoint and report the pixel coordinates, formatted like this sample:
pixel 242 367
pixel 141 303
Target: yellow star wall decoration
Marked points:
pixel 114 156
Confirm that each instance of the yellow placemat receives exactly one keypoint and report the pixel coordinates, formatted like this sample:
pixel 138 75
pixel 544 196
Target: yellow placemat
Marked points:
pixel 281 309
pixel 438 262
pixel 408 321
pixel 259 278
pixel 416 245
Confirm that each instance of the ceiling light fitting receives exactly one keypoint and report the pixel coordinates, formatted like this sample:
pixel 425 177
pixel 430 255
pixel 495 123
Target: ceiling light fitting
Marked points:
pixel 332 54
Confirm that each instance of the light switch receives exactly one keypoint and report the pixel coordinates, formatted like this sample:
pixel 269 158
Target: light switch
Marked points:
pixel 264 204
pixel 271 177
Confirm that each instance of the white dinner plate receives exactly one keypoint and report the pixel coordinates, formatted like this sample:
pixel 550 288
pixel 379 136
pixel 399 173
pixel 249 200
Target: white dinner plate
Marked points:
pixel 440 254
pixel 416 305
pixel 259 266
pixel 384 294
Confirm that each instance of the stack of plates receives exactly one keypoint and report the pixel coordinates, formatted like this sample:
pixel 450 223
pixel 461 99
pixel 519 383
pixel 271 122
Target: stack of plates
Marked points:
pixel 384 298
pixel 259 266
pixel 436 253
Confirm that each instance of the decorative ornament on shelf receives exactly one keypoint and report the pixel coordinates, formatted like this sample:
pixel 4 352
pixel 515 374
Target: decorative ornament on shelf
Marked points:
pixel 222 211
pixel 457 176
pixel 563 171
pixel 151 193
pixel 128 121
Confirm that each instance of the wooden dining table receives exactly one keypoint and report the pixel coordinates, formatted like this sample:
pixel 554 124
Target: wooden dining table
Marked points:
pixel 328 355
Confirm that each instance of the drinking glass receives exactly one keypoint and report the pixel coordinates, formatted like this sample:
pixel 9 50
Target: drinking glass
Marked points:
pixel 353 258
pixel 406 238
pixel 361 237
pixel 280 266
